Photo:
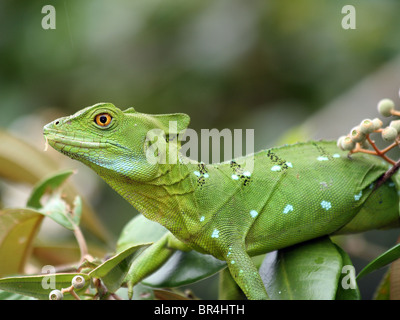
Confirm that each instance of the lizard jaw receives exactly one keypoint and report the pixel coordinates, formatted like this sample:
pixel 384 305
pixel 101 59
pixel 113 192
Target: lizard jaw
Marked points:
pixel 61 141
pixel 64 140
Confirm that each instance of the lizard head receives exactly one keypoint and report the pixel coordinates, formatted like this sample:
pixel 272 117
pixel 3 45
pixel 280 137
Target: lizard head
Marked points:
pixel 111 141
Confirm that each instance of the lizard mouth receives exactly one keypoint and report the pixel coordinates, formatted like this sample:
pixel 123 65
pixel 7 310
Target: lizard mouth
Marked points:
pixel 67 143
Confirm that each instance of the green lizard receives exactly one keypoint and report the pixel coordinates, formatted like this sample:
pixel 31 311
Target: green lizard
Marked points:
pixel 293 194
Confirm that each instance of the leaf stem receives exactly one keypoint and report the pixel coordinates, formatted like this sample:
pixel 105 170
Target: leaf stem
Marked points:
pixel 83 248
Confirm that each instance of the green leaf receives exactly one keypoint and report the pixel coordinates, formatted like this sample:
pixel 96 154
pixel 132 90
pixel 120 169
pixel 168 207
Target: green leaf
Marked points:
pixel 56 207
pixel 347 285
pixel 40 286
pixel 112 272
pixel 13 296
pixel 383 260
pixel 58 210
pixel 184 268
pixel 181 268
pixel 306 271
pixel 18 228
pixel 51 183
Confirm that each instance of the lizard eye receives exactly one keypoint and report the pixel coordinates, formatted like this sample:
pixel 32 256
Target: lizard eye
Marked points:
pixel 103 119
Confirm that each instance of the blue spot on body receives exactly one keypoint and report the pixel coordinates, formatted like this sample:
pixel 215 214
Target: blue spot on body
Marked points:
pixel 276 168
pixel 205 175
pixel 247 173
pixel 215 234
pixel 289 164
pixel 322 158
pixel 288 208
pixel 358 196
pixel 326 205
pixel 202 218
pixel 253 213
pixel 336 155
pixel 235 177
pixel 196 173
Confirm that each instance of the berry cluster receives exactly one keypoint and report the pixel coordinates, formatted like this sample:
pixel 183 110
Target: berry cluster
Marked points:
pixel 358 140
pixel 78 282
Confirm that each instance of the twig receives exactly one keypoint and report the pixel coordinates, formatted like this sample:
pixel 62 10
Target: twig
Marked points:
pixel 379 152
pixel 83 248
pixel 387 175
pixel 71 291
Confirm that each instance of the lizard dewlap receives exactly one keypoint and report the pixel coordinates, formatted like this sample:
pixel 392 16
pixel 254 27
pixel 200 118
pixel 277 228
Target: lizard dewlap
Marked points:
pixel 291 194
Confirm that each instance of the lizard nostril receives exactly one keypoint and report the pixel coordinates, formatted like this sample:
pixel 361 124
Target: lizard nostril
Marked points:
pixel 57 123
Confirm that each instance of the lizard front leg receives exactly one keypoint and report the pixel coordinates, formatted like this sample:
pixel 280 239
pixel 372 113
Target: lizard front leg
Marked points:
pixel 152 259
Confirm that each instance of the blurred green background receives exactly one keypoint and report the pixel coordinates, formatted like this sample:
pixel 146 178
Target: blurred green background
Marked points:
pixel 284 68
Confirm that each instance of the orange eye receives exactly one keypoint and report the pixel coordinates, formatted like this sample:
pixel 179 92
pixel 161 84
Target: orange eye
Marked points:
pixel 103 119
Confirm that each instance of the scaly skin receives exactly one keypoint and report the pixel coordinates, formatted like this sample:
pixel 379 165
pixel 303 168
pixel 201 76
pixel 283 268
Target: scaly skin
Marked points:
pixel 295 193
